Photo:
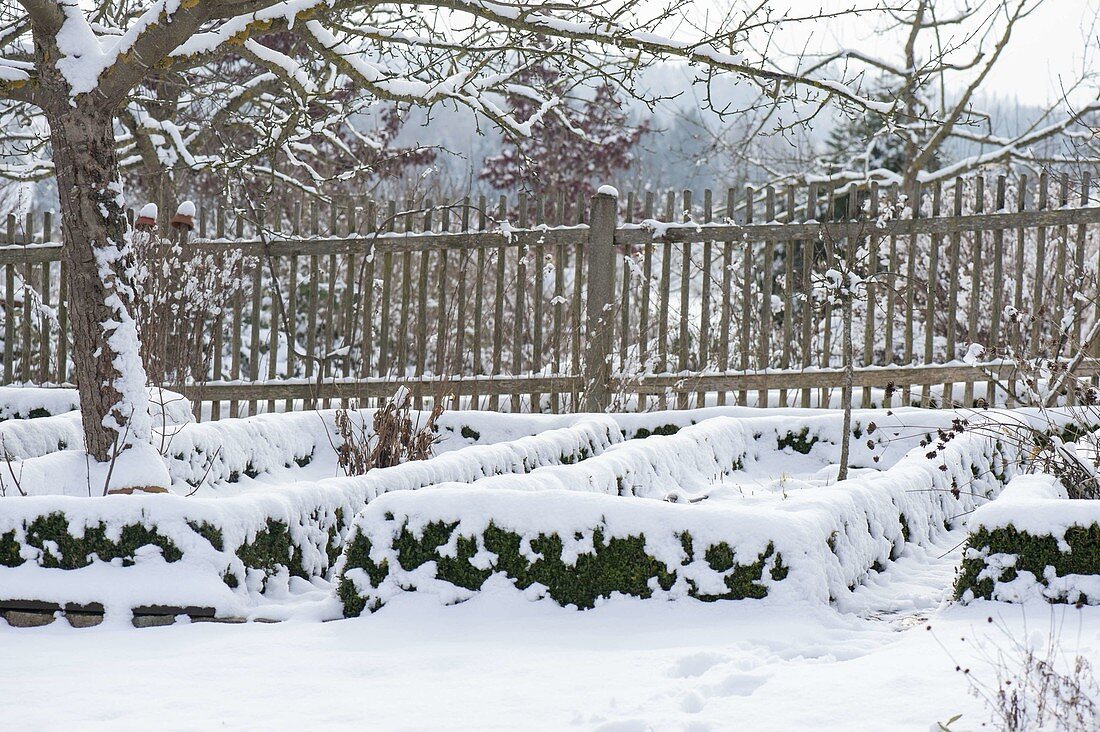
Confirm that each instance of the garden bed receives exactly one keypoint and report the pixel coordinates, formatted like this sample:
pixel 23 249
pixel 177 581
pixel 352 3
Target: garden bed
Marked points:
pixel 598 523
pixel 1033 543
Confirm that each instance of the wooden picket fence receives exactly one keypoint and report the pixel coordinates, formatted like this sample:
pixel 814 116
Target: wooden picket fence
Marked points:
pixel 639 301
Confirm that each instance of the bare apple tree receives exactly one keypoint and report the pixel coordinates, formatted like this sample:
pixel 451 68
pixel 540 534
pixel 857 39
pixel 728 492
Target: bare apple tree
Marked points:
pixel 291 73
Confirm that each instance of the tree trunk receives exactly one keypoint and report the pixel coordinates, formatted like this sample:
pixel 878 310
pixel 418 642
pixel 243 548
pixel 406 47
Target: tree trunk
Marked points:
pixel 109 374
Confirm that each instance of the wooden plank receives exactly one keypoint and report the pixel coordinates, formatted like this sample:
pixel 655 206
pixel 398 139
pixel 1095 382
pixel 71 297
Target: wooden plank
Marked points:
pixel 950 308
pixel 402 365
pixel 685 300
pixel 255 313
pixel 63 323
pixel 891 286
pixel 1039 282
pixel 538 299
pixel 998 295
pixel 461 296
pixel 825 396
pixel 349 309
pixel 498 298
pixel 838 229
pixel 627 265
pixel 313 285
pixel 385 313
pixel 578 301
pixel 764 356
pixel 559 302
pixel 479 303
pixel 976 266
pixel 746 295
pixel 807 290
pixel 443 309
pixel 1060 255
pixel 1081 237
pixel 1018 340
pixel 647 288
pixel 273 341
pixel 788 294
pixel 292 305
pixel 25 342
pixel 9 309
pixel 704 296
pixel 217 372
pixel 519 306
pixel 367 309
pixel 664 291
pixel 876 377
pixel 422 308
pixel 873 272
pixel 726 315
pixel 915 196
pixel 632 235
pixel 44 325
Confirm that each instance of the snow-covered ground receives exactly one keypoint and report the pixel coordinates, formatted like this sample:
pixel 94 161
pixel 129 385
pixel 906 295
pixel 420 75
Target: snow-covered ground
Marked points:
pixel 500 662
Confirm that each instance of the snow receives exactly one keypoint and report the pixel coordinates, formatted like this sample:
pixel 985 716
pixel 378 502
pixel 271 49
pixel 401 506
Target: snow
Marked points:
pixel 149 210
pixel 840 643
pixel 1038 505
pixel 187 208
pixel 499 662
pixel 608 191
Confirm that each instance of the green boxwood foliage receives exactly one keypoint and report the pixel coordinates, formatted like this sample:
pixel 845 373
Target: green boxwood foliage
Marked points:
pixel 272 548
pixel 615 564
pixel 1034 553
pixel 663 430
pixel 61 549
pixel 797 441
pixel 9 550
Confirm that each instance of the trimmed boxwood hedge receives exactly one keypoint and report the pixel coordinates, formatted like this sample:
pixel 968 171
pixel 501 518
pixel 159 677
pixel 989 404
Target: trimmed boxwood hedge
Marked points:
pixel 271 549
pixel 1034 553
pixel 615 564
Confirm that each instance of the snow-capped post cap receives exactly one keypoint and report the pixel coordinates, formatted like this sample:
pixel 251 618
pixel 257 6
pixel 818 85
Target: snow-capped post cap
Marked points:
pixel 608 191
pixel 147 217
pixel 185 216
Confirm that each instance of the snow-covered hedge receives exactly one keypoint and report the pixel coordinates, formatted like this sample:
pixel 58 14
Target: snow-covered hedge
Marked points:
pixel 29 402
pixel 1033 543
pixel 215 552
pixel 590 522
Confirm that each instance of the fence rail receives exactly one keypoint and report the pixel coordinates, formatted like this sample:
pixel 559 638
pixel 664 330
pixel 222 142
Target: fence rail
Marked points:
pixel 559 305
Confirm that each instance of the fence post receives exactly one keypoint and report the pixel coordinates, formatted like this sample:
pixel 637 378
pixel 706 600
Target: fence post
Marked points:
pixel 599 306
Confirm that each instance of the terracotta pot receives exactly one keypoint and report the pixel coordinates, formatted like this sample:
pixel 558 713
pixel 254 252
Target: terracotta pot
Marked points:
pixel 186 223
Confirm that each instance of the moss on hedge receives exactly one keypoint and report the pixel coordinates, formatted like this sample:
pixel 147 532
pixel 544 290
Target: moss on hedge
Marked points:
pixel 616 564
pixel 1034 553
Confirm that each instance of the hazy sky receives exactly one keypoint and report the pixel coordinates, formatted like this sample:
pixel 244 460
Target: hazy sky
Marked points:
pixel 1047 50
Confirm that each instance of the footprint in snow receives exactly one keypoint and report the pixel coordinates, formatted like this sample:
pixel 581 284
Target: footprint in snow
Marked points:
pixel 736 685
pixel 697 664
pixel 692 702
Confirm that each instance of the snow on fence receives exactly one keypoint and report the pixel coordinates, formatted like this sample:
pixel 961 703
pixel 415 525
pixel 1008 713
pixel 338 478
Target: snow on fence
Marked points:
pixel 555 305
